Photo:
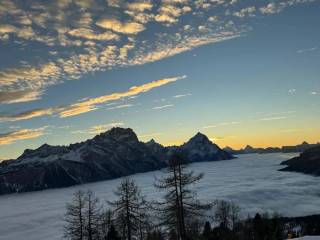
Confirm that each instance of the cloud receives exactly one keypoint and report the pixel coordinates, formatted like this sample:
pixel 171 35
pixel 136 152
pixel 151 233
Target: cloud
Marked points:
pixel 217 139
pixel 98 128
pixel 19 96
pixel 28 115
pixel 26 83
pixel 139 6
pixel 292 91
pixel 165 50
pixel 168 14
pixel 19 135
pixel 273 118
pixel 271 8
pixel 89 34
pixel 279 113
pixel 246 12
pixel 6 28
pixel 121 106
pixel 277 7
pixel 76 109
pixel 307 50
pixel 114 3
pixel 221 125
pixel 92 103
pixel 120 27
pixel 182 95
pixel 163 107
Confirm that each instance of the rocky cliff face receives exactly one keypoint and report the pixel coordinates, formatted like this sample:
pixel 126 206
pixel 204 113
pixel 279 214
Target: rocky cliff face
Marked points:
pixel 308 162
pixel 115 153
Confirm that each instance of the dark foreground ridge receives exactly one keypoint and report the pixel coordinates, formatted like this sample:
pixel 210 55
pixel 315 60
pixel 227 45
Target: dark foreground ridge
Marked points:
pixel 308 162
pixel 111 154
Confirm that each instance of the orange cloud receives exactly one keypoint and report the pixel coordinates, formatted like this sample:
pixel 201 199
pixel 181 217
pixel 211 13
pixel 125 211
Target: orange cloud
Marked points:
pixel 120 27
pixel 23 134
pixel 28 114
pixel 91 104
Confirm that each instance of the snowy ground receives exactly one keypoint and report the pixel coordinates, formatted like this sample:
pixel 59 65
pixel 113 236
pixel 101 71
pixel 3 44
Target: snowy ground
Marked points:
pixel 252 181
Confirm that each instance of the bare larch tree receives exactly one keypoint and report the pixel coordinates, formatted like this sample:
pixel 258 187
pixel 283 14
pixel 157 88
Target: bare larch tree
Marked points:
pixel 92 216
pixel 128 208
pixel 82 217
pixel 74 217
pixel 180 206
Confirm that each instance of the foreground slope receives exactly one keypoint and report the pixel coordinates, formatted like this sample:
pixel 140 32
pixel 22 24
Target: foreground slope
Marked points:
pixel 112 154
pixel 307 162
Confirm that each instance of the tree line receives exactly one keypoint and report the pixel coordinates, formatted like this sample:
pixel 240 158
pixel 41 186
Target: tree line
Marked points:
pixel 180 215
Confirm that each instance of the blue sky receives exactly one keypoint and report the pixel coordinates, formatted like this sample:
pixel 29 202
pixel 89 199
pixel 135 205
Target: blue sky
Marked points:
pixel 242 72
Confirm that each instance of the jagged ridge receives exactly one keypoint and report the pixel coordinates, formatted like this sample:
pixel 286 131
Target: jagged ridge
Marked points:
pixel 111 154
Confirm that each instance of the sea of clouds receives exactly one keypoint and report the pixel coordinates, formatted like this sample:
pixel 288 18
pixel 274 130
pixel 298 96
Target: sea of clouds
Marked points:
pixel 252 181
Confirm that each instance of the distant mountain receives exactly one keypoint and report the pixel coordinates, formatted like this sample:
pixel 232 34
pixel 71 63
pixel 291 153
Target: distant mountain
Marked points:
pixel 112 154
pixel 200 149
pixel 308 162
pixel 285 149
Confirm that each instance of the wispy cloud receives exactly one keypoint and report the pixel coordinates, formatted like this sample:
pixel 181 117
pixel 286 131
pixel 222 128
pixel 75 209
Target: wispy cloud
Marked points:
pixel 28 114
pixel 182 95
pixel 292 91
pixel 163 107
pixel 307 50
pixel 98 128
pixel 121 106
pixel 217 139
pixel 8 97
pixel 91 104
pixel 279 113
pixel 273 118
pixel 19 135
pixel 221 125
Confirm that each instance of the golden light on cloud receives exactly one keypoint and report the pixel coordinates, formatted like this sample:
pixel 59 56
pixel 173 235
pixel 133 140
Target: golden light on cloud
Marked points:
pixel 91 35
pixel 120 27
pixel 28 115
pixel 98 128
pixel 139 6
pixel 23 134
pixel 91 104
pixel 74 110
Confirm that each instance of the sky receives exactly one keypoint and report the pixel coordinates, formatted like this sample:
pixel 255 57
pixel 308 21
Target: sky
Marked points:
pixel 240 71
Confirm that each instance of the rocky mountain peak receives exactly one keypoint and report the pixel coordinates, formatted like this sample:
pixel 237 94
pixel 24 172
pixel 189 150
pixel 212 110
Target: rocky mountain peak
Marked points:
pixel 120 134
pixel 199 138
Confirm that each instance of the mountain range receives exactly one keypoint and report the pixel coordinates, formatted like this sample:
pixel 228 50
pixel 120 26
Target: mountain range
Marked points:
pixel 285 149
pixel 115 153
